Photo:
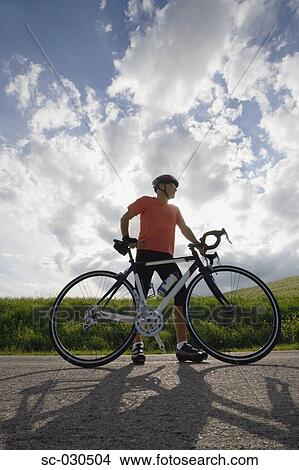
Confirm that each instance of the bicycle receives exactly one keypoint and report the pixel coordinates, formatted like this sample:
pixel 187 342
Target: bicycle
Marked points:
pixel 230 312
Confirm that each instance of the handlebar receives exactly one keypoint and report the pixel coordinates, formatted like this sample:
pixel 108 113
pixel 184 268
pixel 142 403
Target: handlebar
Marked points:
pixel 216 233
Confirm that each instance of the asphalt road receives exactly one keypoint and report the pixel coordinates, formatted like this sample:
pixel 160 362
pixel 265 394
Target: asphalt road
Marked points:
pixel 48 404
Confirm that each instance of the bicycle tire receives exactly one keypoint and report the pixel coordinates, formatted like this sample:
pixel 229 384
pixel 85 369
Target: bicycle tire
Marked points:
pixel 262 319
pixel 67 336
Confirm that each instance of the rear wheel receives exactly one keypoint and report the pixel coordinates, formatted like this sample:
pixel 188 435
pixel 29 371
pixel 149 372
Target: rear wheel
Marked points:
pixel 242 331
pixel 88 331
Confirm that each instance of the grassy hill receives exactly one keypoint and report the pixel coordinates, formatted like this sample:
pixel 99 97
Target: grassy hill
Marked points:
pixel 285 290
pixel 287 287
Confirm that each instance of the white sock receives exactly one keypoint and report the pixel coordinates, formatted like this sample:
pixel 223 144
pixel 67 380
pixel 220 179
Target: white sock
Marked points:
pixel 181 344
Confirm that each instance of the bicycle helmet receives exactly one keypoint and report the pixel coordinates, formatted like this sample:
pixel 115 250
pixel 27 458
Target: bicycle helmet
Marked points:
pixel 164 179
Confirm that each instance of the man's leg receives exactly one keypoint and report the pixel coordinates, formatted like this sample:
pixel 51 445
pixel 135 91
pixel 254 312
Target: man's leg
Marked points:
pixel 145 275
pixel 138 338
pixel 184 351
pixel 179 323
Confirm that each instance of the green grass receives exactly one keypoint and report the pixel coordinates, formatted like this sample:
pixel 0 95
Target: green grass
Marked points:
pixel 24 325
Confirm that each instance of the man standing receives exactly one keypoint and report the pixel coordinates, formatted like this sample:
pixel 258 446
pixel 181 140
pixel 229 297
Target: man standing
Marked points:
pixel 158 221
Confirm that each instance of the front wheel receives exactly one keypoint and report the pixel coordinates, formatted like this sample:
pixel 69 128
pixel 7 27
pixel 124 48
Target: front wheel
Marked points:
pixel 241 331
pixel 92 319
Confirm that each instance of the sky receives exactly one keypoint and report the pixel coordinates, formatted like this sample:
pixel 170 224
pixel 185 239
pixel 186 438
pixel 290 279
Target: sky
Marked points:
pixel 99 97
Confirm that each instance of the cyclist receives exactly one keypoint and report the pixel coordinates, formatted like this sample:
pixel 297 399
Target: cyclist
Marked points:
pixel 155 242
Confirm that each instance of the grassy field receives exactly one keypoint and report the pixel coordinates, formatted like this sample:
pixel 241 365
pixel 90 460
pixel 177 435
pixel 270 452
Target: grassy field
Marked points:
pixel 24 325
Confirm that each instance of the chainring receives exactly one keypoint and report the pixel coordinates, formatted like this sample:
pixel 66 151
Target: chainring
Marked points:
pixel 149 322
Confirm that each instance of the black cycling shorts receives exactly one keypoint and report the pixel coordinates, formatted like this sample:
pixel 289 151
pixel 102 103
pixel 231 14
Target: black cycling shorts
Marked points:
pixel 146 272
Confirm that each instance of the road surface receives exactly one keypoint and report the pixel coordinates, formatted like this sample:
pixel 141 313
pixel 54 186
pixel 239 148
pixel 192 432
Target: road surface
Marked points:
pixel 47 403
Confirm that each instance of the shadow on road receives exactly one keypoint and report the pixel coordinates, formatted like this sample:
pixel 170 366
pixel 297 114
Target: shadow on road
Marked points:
pixel 117 409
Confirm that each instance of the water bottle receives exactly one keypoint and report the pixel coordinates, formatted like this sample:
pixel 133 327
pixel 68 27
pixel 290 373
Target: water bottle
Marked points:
pixel 166 285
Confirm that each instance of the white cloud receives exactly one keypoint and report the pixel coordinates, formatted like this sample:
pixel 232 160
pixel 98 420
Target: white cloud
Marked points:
pixel 107 28
pixel 255 19
pixel 23 85
pixel 103 4
pixel 54 115
pixel 282 195
pixel 281 127
pixel 169 66
pixel 112 112
pixel 136 8
pixel 281 183
pixel 252 86
pixel 92 107
pixel 287 77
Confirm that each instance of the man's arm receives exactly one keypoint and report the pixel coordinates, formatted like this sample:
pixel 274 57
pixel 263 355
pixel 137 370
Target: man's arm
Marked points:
pixel 124 227
pixel 187 232
pixel 124 223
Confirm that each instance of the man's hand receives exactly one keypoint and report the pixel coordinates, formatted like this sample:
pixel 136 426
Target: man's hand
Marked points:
pixel 202 247
pixel 133 242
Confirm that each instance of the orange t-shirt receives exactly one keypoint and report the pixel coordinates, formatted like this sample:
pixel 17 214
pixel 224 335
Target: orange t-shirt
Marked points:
pixel 157 223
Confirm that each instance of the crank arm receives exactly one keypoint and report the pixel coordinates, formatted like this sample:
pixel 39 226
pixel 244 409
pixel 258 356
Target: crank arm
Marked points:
pixel 160 343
